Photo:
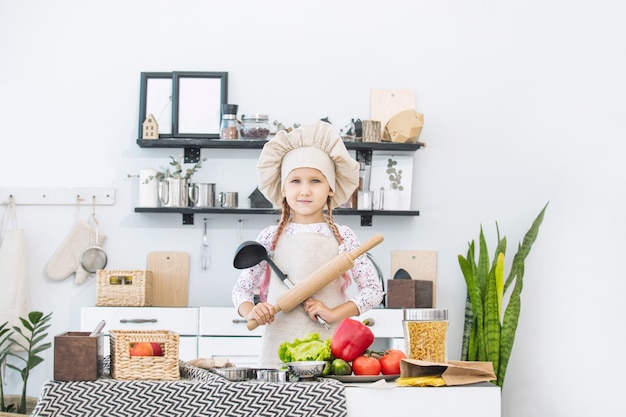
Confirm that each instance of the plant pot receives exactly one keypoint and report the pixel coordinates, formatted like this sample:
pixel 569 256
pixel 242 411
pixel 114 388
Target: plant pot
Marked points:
pixel 173 192
pixel 31 402
pixel 393 200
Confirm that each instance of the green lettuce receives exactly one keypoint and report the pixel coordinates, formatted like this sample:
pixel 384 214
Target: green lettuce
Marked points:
pixel 310 348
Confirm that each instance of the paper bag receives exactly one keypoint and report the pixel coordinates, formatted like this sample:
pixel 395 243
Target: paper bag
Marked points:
pixel 453 373
pixel 404 127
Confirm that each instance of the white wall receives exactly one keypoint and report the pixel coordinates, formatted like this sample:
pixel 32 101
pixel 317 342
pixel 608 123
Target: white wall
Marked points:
pixel 523 104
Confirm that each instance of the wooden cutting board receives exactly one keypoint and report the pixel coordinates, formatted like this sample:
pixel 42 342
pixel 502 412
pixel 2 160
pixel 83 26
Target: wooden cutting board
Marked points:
pixel 170 278
pixel 384 104
pixel 420 264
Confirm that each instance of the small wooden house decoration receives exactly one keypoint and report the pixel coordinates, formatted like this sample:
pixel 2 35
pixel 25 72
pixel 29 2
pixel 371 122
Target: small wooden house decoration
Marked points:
pixel 258 200
pixel 150 128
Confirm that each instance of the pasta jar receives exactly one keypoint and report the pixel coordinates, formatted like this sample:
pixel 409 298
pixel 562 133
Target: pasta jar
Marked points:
pixel 255 126
pixel 425 332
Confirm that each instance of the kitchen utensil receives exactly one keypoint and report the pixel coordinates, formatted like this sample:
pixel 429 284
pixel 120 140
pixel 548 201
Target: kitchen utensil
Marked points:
pixel 320 278
pixel 170 278
pixel 233 374
pixel 205 259
pixel 401 274
pixel 251 253
pixel 94 257
pixel 173 192
pixel 306 370
pixel 419 264
pixel 269 375
pixel 202 194
pixel 228 200
pixel 98 328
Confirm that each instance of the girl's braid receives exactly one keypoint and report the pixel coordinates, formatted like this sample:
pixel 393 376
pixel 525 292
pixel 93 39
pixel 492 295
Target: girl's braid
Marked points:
pixel 284 219
pixel 331 223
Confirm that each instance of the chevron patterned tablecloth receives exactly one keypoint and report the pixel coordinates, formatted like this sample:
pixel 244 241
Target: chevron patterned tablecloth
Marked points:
pixel 198 393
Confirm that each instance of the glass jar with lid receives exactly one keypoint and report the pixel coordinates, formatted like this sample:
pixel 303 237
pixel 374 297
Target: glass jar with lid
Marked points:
pixel 255 126
pixel 425 334
pixel 229 129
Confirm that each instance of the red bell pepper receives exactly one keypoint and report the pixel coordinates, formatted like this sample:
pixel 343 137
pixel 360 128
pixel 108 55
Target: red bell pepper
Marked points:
pixel 351 339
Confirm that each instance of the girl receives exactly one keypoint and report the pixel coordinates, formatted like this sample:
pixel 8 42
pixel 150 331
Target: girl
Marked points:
pixel 307 172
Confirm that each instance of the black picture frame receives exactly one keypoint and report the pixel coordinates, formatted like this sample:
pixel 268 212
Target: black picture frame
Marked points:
pixel 155 97
pixel 197 101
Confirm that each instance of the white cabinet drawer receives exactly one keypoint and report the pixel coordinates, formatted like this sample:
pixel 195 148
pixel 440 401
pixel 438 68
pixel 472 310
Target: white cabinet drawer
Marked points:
pixel 224 321
pixel 387 322
pixel 181 320
pixel 242 351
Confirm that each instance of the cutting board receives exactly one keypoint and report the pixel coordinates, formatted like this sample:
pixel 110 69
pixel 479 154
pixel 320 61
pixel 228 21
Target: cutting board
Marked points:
pixel 420 264
pixel 384 104
pixel 170 278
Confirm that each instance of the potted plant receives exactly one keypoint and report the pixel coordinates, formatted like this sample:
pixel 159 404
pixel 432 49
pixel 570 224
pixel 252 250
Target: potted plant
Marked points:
pixel 395 176
pixel 490 326
pixel 31 339
pixel 172 182
pixel 392 199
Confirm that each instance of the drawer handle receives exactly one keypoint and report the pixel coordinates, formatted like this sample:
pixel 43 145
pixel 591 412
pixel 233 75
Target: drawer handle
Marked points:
pixel 237 321
pixel 138 320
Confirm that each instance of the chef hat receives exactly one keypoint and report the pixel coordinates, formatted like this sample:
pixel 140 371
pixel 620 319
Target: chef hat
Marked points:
pixel 317 146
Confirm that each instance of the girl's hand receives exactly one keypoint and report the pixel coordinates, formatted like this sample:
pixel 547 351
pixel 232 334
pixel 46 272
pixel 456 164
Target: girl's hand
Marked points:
pixel 263 313
pixel 314 307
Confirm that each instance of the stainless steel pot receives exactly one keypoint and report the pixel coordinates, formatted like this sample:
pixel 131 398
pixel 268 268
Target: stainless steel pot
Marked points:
pixel 270 375
pixel 233 374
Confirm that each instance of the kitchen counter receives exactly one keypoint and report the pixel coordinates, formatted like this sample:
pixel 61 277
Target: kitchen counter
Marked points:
pixel 375 400
pixel 200 392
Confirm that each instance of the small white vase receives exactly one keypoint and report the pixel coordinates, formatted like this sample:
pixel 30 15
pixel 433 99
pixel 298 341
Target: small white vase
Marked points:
pixel 393 200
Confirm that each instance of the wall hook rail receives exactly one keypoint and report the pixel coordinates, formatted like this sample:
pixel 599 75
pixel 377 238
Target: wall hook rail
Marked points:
pixel 58 196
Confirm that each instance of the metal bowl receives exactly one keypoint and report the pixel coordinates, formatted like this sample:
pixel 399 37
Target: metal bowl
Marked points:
pixel 233 374
pixel 307 369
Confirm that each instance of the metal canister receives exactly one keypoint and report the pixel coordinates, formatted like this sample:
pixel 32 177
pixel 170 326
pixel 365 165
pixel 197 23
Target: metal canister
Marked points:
pixel 425 334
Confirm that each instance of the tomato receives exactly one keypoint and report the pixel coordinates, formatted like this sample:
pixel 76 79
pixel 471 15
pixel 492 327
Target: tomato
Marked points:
pixel 390 362
pixel 366 365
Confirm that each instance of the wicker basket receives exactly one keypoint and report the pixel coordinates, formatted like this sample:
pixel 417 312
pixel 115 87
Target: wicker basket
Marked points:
pixel 124 288
pixel 126 367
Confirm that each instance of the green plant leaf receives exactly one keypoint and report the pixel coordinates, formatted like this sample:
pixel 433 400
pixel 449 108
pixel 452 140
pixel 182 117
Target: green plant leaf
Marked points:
pixel 488 333
pixel 492 316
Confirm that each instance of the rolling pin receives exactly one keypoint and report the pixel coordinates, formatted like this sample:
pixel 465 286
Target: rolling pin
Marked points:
pixel 323 276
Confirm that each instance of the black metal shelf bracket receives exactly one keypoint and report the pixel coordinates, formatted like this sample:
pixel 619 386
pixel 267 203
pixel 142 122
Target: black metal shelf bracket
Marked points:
pixel 188 218
pixel 192 155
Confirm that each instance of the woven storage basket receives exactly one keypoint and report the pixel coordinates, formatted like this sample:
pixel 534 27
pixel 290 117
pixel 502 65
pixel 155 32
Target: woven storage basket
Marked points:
pixel 126 367
pixel 112 293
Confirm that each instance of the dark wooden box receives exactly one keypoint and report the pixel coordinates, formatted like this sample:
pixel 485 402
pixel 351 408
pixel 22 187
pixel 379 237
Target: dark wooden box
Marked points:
pixel 78 356
pixel 409 293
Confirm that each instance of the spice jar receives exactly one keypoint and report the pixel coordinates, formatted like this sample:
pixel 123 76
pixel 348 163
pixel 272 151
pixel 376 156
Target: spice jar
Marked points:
pixel 228 129
pixel 425 331
pixel 255 126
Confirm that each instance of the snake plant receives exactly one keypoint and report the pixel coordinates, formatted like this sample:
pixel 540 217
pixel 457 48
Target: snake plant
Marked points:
pixel 490 327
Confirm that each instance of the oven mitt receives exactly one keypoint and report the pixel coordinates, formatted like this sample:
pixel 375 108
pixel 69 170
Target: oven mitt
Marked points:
pixel 66 259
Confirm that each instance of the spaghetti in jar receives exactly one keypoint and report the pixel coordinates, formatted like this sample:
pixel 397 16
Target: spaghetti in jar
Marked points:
pixel 425 334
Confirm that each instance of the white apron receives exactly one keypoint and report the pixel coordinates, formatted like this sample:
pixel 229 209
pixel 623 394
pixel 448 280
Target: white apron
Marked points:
pixel 297 256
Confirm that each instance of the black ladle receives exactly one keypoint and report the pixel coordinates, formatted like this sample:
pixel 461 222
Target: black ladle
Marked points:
pixel 251 253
